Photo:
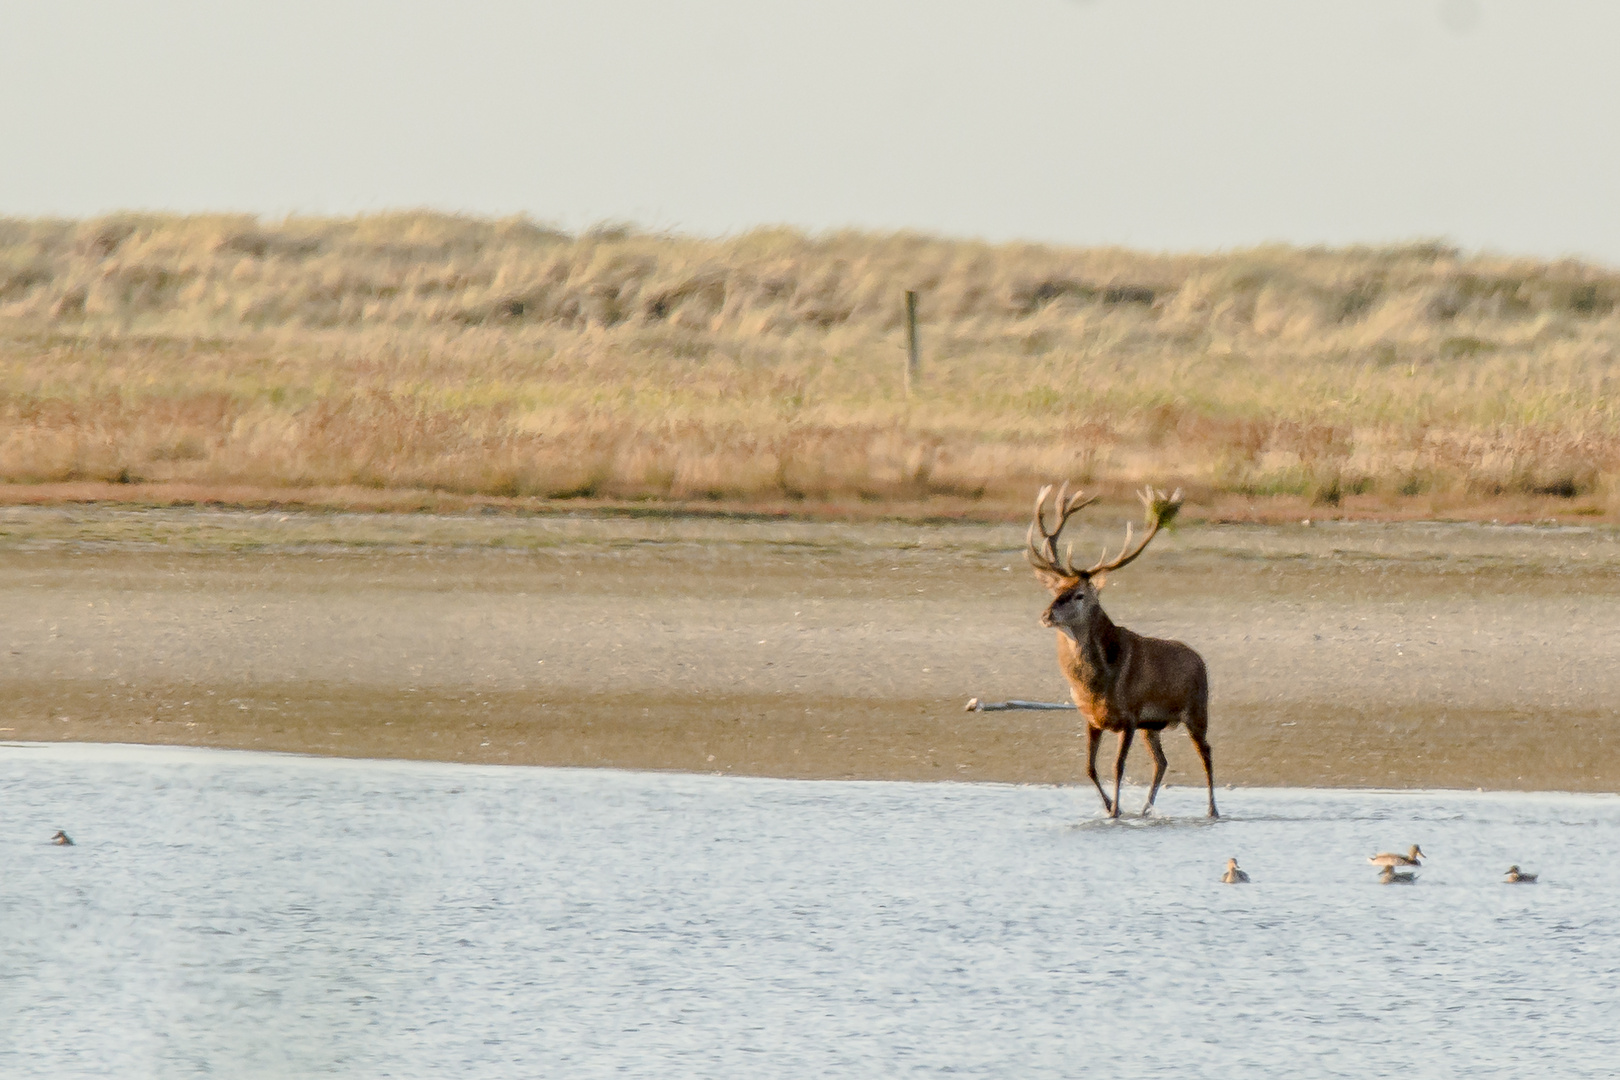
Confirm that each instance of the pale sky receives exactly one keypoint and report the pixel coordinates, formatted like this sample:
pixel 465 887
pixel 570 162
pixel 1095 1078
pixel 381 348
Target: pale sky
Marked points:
pixel 1161 124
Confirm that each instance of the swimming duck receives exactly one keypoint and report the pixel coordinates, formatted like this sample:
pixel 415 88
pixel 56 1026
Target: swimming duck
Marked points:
pixel 1233 875
pixel 62 839
pixel 1392 876
pixel 1515 876
pixel 1389 858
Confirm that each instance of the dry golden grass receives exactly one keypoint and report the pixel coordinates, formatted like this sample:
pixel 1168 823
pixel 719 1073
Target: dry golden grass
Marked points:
pixel 419 351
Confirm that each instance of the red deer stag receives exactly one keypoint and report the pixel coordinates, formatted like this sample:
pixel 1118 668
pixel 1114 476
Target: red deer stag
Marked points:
pixel 1121 681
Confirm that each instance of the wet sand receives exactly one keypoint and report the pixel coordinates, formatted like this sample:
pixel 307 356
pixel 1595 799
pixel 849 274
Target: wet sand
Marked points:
pixel 1349 654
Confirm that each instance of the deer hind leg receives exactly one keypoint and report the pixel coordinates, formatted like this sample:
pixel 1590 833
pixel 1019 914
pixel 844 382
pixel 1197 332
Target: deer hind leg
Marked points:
pixel 1209 771
pixel 1125 738
pixel 1093 737
pixel 1159 765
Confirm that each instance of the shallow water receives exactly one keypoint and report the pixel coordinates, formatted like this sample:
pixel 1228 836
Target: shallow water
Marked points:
pixel 240 914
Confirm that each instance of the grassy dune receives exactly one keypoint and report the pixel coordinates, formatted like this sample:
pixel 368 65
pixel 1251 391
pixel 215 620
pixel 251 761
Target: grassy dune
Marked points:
pixel 419 352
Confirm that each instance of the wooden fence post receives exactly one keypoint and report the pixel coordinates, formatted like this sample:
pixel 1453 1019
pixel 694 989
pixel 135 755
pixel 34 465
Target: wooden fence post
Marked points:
pixel 913 360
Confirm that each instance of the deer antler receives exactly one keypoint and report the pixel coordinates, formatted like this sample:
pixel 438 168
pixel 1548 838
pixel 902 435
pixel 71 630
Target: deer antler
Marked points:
pixel 1161 510
pixel 1044 556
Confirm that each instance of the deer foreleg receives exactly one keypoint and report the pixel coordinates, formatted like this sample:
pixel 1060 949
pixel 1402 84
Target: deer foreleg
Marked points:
pixel 1159 765
pixel 1125 738
pixel 1093 739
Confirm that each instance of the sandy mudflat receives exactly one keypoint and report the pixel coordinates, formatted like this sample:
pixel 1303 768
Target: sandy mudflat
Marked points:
pixel 1344 654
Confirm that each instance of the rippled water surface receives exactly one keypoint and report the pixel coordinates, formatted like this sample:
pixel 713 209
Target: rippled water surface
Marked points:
pixel 251 915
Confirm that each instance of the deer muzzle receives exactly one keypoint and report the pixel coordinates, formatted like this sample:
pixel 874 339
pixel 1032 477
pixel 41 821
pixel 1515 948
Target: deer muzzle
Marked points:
pixel 1062 628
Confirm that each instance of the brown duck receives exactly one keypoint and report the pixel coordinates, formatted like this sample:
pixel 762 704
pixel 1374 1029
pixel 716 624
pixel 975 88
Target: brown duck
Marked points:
pixel 1390 858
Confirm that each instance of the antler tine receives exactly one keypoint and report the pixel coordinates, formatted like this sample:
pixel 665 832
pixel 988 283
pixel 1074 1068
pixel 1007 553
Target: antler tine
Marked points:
pixel 1040 500
pixel 1160 511
pixel 1040 555
pixel 1034 553
pixel 1077 502
pixel 1102 564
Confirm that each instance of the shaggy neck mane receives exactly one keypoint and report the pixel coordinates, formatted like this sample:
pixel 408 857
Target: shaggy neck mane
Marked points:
pixel 1096 655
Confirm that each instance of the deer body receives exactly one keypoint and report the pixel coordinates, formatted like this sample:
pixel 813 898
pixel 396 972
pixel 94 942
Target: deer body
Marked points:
pixel 1121 681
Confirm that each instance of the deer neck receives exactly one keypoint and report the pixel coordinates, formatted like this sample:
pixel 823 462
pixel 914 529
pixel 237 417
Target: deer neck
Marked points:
pixel 1091 656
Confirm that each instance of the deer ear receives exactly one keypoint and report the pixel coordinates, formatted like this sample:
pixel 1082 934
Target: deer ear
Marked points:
pixel 1055 582
pixel 1098 581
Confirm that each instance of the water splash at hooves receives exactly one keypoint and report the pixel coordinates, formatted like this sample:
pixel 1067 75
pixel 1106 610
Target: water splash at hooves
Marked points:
pixel 1151 822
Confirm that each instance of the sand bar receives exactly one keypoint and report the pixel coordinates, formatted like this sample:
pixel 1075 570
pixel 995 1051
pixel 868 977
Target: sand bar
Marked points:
pixel 1349 654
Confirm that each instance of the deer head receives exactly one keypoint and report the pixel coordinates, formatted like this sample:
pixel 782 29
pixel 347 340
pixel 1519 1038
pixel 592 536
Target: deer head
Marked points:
pixel 1074 591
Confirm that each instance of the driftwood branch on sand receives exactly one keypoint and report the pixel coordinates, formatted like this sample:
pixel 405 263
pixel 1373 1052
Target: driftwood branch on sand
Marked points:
pixel 975 705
